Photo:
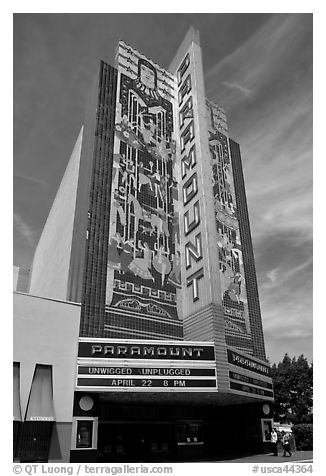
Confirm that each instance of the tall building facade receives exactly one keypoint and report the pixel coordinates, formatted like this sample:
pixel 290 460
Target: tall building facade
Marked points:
pixel 159 225
pixel 156 247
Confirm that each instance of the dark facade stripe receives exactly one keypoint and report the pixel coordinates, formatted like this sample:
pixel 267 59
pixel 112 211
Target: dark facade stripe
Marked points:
pixel 77 259
pixel 248 256
pixel 95 269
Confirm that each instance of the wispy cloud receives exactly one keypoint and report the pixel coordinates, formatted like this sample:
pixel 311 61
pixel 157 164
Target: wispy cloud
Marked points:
pixel 24 230
pixel 278 175
pixel 271 278
pixel 280 277
pixel 287 320
pixel 291 322
pixel 284 263
pixel 257 61
pixel 245 91
pixel 33 180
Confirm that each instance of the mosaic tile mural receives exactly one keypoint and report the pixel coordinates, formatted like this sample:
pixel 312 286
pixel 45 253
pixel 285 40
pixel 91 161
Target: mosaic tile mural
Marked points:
pixel 144 244
pixel 234 295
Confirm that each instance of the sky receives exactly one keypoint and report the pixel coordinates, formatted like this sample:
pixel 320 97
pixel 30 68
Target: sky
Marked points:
pixel 256 66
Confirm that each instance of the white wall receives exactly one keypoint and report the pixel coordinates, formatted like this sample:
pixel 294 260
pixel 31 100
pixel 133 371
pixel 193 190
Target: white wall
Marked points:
pixel 50 270
pixel 46 332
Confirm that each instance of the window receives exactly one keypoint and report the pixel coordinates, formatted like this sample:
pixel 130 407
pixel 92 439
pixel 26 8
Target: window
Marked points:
pixel 84 433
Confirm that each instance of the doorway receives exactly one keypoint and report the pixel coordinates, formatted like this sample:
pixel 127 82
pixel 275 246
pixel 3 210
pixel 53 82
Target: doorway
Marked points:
pixel 135 441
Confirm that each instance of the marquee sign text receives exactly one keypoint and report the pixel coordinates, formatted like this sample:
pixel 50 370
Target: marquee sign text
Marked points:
pixel 145 351
pixel 145 366
pixel 246 363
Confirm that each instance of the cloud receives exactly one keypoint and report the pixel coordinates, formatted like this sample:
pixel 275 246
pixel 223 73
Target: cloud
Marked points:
pixel 24 230
pixel 277 160
pixel 284 261
pixel 257 61
pixel 33 180
pixel 284 264
pixel 278 276
pixel 287 324
pixel 271 277
pixel 292 321
pixel 245 91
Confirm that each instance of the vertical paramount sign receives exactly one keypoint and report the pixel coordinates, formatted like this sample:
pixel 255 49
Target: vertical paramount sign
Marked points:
pixel 199 275
pixel 189 175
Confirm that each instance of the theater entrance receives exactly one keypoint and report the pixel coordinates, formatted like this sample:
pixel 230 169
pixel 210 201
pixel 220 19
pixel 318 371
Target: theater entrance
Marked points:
pixel 135 441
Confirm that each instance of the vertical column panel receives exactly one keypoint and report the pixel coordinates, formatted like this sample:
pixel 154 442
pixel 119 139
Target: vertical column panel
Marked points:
pixel 248 256
pixel 96 256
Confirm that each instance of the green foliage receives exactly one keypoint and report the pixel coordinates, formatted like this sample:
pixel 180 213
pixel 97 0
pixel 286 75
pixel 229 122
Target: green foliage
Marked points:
pixel 307 418
pixel 303 434
pixel 293 382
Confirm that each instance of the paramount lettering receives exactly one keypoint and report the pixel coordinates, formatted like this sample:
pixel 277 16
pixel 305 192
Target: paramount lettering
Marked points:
pixel 98 350
pixel 191 177
pixel 148 351
pixel 250 363
pixel 244 362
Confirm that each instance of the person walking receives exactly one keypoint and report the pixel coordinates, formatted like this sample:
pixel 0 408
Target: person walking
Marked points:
pixel 274 441
pixel 286 444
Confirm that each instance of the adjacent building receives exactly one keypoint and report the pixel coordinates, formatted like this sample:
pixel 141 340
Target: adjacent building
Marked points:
pixel 149 233
pixel 21 278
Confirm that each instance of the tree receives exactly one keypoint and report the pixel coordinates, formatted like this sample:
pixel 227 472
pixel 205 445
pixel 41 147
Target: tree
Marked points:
pixel 293 382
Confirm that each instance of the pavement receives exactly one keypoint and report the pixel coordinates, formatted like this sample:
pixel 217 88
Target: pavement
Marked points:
pixel 297 456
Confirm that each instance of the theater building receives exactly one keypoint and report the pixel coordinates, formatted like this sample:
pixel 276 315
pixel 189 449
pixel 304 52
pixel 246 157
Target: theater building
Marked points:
pixel 149 239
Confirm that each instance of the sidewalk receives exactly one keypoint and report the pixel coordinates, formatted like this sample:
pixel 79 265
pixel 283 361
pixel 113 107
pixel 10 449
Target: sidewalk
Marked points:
pixel 302 456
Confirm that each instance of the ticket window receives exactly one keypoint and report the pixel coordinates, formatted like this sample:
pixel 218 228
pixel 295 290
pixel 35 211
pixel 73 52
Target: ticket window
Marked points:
pixel 84 433
pixel 189 433
pixel 266 428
